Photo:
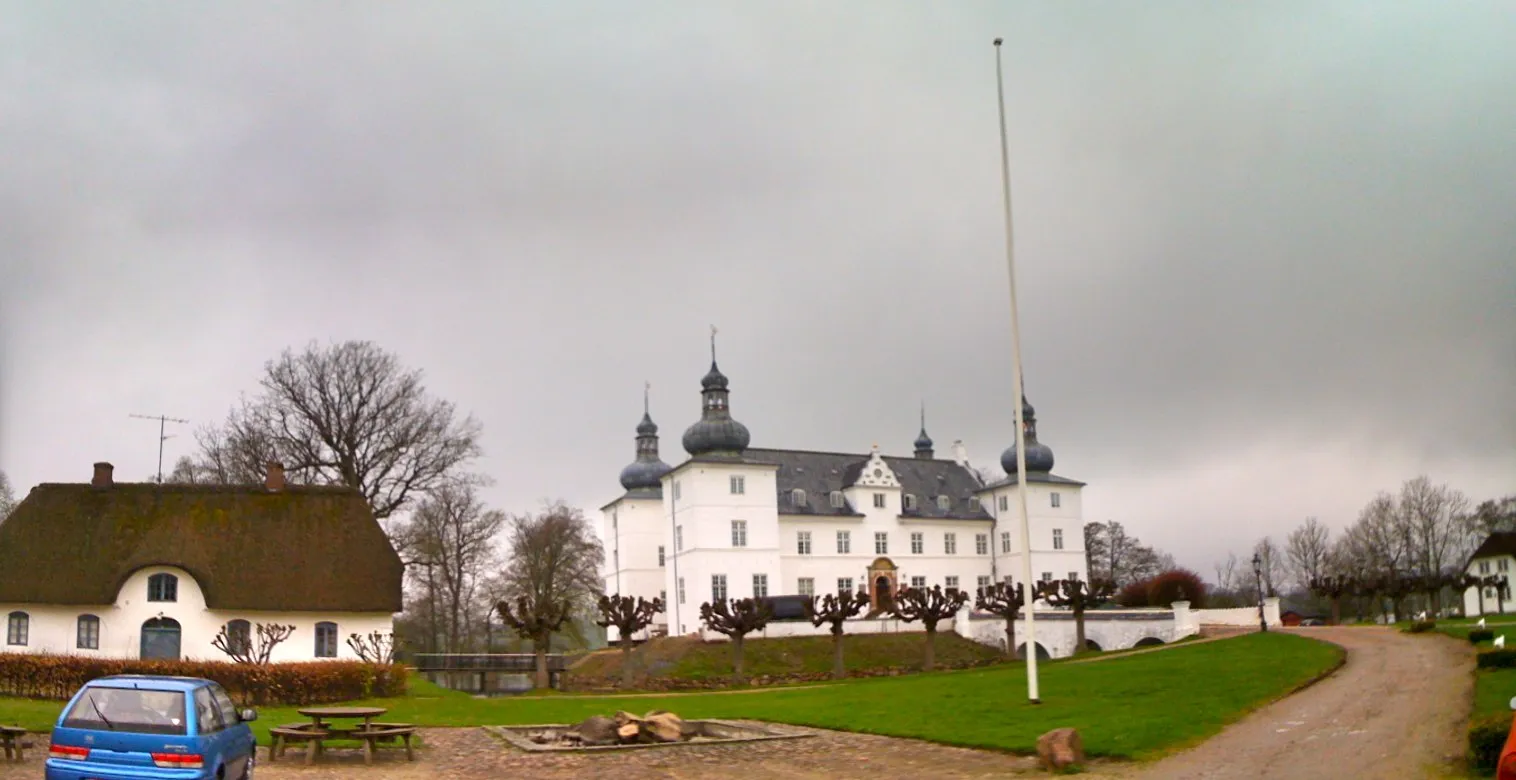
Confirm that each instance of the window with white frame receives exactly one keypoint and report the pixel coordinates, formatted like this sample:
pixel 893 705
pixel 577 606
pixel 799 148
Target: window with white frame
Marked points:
pixel 718 587
pixel 950 544
pixel 681 590
pixel 1057 500
pixel 1073 575
pixel 844 585
pixel 803 543
pixel 983 582
pixel 981 544
pixel 918 543
pixel 944 503
pixel 806 586
pixel 1005 503
pixel 1005 541
pixel 739 533
pixel 797 497
pixel 760 586
pixel 87 633
pixel 910 502
pixel 881 543
pixel 326 640
pixel 1484 567
pixel 878 500
pixel 950 583
pixel 844 543
pixel 838 500
pixel 1047 576
pixel 1502 565
pixel 1057 538
pixel 660 556
pixel 18 628
pixel 679 538
pixel 918 582
pixel 676 490
pixel 663 597
pixel 739 484
pixel 163 587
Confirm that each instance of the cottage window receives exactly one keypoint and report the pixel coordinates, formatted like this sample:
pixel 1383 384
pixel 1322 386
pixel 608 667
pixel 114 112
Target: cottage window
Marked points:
pixel 239 635
pixel 326 640
pixel 163 587
pixel 878 500
pixel 881 543
pixel 1057 538
pixel 838 501
pixel 88 633
pixel 803 543
pixel 718 588
pixel 910 502
pixel 739 485
pixel 950 544
pixel 981 544
pixel 1057 500
pixel 806 586
pixel 918 543
pixel 944 503
pixel 797 497
pixel 844 543
pixel 18 628
pixel 1484 567
pixel 760 586
pixel 1502 564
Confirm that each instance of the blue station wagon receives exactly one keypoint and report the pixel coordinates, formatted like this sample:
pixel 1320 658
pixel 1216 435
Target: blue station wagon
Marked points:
pixel 136 727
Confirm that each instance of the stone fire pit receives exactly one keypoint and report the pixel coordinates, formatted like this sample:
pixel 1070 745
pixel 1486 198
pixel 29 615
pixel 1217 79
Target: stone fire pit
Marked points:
pixel 628 731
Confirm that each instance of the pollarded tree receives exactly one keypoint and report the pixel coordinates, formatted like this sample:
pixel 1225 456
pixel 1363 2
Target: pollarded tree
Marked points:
pixel 553 573
pixel 1077 595
pixel 835 609
pixel 237 642
pixel 629 615
pixel 375 647
pixel 1333 587
pixel 930 606
pixel 1005 601
pixel 736 618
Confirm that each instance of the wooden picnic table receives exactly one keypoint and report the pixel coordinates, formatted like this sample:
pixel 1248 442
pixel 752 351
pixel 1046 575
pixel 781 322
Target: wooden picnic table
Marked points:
pixel 14 740
pixel 320 714
pixel 315 733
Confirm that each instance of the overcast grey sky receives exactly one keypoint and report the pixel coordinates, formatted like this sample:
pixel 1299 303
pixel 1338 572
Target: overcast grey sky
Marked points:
pixel 1267 253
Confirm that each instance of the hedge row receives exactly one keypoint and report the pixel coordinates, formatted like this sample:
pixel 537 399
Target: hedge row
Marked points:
pixel 1481 635
pixel 1421 627
pixel 1497 659
pixel 1487 736
pixel 318 682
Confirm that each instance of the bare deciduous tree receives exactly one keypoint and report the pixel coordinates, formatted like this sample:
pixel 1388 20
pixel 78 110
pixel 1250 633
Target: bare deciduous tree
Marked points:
pixel 1436 518
pixel 452 538
pixel 1309 550
pixel 1333 587
pixel 736 618
pixel 345 414
pixel 244 649
pixel 629 615
pixel 1112 555
pixel 553 573
pixel 1078 596
pixel 930 606
pixel 1273 564
pixel 1494 515
pixel 7 497
pixel 1005 601
pixel 836 609
pixel 375 647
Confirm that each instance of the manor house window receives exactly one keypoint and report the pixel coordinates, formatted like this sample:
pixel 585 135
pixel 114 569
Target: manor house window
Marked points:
pixel 1057 538
pixel 806 586
pixel 983 582
pixel 881 543
pixel 760 586
pixel 951 583
pixel 944 503
pixel 878 500
pixel 1005 541
pixel 1057 500
pixel 718 587
pixel 660 556
pixel 844 585
pixel 1005 503
pixel 838 501
pixel 797 497
pixel 950 544
pixel 981 544
pixel 910 502
pixel 918 544
pixel 803 543
pixel 918 582
pixel 739 485
pixel 844 543
pixel 739 533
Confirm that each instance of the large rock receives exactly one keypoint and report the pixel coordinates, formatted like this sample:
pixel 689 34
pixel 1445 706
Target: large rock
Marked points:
pixel 1060 748
pixel 597 730
pixel 659 726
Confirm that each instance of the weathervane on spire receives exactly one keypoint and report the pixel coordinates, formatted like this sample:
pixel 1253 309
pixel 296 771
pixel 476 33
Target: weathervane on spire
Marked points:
pixel 647 387
pixel 713 343
pixel 923 414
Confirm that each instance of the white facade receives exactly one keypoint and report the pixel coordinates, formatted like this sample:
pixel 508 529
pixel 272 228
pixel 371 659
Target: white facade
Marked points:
pixel 1492 602
pixel 67 630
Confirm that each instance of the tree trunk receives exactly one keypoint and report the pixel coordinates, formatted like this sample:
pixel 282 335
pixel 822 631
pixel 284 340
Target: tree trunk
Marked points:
pixel 737 659
pixel 929 659
pixel 1010 637
pixel 539 648
pixel 839 670
pixel 1481 600
pixel 626 663
pixel 1337 610
pixel 1079 645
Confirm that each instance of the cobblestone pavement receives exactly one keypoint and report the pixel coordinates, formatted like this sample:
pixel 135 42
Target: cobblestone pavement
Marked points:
pixel 473 754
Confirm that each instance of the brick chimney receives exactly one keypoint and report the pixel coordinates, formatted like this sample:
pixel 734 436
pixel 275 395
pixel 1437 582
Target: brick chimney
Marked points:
pixel 103 475
pixel 275 479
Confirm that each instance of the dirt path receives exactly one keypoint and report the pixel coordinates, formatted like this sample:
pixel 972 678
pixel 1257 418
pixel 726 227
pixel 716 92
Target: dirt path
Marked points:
pixel 1397 709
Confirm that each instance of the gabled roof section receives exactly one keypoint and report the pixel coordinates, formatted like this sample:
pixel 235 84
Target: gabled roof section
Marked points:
pixel 821 473
pixel 1495 545
pixel 1040 477
pixel 301 548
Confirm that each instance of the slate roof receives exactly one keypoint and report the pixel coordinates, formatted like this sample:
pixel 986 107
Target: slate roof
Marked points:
pixel 820 473
pixel 302 548
pixel 1035 476
pixel 1496 544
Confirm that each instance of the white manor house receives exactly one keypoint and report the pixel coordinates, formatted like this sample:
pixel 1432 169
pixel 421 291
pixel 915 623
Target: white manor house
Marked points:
pixel 733 521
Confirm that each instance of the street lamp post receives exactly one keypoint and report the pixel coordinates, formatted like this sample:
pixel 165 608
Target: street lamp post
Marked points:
pixel 1263 625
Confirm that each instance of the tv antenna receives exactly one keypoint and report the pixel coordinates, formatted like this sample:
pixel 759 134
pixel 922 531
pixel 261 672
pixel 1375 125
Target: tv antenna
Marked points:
pixel 163 421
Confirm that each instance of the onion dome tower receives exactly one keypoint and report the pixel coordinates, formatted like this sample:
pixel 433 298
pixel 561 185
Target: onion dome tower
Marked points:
pixel 923 441
pixel 1039 456
pixel 716 434
pixel 645 474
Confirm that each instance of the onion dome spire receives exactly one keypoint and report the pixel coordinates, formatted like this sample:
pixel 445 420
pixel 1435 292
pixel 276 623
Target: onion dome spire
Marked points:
pixel 1039 456
pixel 716 433
pixel 645 474
pixel 923 441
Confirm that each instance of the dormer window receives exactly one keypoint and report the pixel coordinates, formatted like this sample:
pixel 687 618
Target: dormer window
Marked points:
pixel 838 502
pixel 163 587
pixel 910 502
pixel 944 503
pixel 797 497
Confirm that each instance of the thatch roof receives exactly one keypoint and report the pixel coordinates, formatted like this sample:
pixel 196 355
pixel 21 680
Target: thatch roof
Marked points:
pixel 301 548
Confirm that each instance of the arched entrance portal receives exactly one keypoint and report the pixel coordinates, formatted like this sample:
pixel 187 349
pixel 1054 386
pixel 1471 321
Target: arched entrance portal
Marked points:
pixel 1148 641
pixel 882 585
pixel 160 639
pixel 1042 653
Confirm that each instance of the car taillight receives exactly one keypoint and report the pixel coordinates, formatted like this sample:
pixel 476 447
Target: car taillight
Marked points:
pixel 69 752
pixel 178 761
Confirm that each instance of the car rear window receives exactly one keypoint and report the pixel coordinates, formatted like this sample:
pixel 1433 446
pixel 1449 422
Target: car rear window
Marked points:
pixel 128 709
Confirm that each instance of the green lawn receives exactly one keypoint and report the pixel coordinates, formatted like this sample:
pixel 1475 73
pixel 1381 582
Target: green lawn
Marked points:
pixel 1137 707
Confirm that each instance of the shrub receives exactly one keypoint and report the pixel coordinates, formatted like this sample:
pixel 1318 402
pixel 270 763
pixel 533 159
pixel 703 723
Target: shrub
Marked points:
pixel 1481 635
pixel 1176 585
pixel 1133 595
pixel 1487 736
pixel 1497 659
pixel 1421 627
pixel 59 676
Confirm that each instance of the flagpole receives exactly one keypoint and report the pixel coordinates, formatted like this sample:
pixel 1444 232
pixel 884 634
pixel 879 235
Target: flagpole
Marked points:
pixel 1010 264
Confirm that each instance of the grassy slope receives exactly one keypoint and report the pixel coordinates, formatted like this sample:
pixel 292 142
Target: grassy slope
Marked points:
pixel 771 657
pixel 1138 706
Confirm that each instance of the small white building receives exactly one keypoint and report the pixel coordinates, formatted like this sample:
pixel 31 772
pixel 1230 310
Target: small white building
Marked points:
pixel 155 571
pixel 1495 557
pixel 734 521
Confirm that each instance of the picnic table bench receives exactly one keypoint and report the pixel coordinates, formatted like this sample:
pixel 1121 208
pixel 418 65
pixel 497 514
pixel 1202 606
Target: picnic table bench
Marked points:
pixel 314 734
pixel 15 741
